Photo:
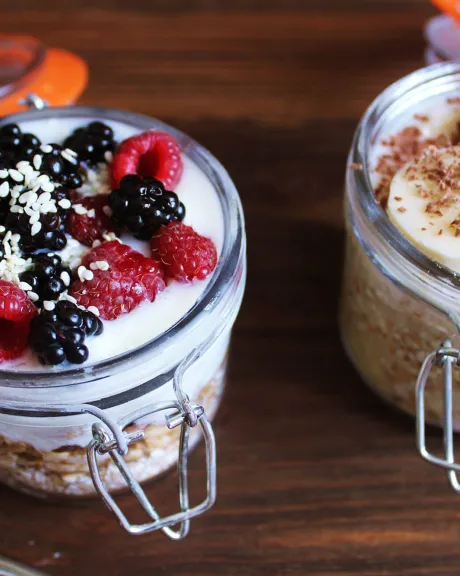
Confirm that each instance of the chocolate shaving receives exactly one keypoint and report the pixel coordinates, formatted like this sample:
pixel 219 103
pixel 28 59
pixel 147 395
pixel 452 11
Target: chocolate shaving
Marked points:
pixel 432 208
pixel 409 145
pixel 455 224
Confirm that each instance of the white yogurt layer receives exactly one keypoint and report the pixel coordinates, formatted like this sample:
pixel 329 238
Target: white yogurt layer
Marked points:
pixel 148 320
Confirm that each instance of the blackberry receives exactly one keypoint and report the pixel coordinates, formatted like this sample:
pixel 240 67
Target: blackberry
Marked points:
pixel 4 210
pixel 92 142
pixel 59 334
pixel 51 234
pixel 4 160
pixel 29 147
pixel 44 277
pixel 142 205
pixel 50 237
pixel 61 166
pixel 16 146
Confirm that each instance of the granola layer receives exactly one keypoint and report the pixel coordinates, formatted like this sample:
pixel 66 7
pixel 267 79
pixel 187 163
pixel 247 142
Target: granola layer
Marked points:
pixel 64 472
pixel 388 333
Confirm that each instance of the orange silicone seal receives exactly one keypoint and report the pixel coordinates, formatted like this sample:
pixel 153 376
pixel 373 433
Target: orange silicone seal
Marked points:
pixel 450 7
pixel 58 77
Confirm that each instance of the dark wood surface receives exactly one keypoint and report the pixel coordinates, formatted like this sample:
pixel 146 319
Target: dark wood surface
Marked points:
pixel 315 475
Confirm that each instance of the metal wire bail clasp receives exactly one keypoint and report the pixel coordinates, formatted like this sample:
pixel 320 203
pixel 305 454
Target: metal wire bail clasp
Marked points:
pixel 446 357
pixel 186 415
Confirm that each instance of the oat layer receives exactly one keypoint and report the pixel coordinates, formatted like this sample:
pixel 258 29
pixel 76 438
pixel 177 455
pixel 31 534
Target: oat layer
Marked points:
pixel 388 333
pixel 64 472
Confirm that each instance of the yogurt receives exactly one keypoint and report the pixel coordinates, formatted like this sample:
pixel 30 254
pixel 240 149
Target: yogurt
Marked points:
pixel 148 320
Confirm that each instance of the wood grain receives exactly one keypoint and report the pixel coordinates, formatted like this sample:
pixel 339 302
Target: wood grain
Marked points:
pixel 315 475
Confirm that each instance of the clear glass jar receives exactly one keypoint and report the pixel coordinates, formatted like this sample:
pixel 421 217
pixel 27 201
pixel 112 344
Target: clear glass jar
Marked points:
pixel 397 305
pixel 44 431
pixel 442 35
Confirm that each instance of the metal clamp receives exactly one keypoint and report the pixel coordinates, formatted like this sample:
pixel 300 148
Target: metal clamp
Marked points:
pixel 33 101
pixel 446 357
pixel 185 414
pixel 10 567
pixel 109 437
pixel 102 443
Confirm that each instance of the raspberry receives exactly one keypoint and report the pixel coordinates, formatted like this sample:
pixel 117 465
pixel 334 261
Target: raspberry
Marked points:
pixel 184 254
pixel 130 279
pixel 87 228
pixel 155 154
pixel 16 313
pixel 114 253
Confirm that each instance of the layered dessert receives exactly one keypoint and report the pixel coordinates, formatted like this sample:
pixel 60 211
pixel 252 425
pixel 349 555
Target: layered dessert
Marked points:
pixel 109 236
pixel 388 328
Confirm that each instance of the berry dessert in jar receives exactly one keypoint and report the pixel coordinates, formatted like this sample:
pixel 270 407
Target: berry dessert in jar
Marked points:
pixel 401 291
pixel 122 269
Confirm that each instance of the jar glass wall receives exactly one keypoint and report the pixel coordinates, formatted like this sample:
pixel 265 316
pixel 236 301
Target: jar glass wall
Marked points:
pixel 397 305
pixel 45 454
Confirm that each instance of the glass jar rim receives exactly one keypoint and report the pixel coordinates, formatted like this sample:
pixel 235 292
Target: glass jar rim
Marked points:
pixel 232 253
pixel 411 89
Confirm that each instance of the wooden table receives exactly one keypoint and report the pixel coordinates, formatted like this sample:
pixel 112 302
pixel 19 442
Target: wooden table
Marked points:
pixel 315 475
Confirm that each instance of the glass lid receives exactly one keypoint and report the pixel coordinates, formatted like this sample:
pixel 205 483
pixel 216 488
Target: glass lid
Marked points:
pixel 27 66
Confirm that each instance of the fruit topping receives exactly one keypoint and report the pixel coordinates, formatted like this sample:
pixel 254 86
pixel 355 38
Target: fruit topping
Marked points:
pixel 54 302
pixel 154 154
pixel 16 313
pixel 92 143
pixel 38 215
pixel 114 253
pixel 46 278
pixel 88 219
pixel 16 146
pixel 59 332
pixel 62 165
pixel 142 205
pixel 28 158
pixel 184 254
pixel 115 279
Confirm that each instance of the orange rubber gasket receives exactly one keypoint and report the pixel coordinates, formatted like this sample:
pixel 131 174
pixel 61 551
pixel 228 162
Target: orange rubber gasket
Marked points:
pixel 450 7
pixel 59 81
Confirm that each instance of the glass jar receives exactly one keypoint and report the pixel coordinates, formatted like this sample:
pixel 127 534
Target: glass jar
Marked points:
pixel 397 305
pixel 442 34
pixel 46 418
pixel 28 67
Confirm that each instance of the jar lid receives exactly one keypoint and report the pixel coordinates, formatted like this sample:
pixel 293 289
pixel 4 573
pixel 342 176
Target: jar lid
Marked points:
pixel 27 66
pixel 442 34
pixel 450 7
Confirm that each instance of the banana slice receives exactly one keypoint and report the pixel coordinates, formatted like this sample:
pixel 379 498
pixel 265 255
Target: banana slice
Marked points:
pixel 424 204
pixel 443 122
